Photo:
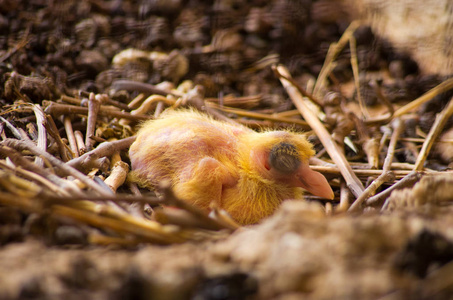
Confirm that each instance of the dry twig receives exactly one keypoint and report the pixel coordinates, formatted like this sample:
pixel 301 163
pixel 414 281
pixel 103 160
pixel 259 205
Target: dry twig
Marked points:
pixel 250 114
pixel 92 158
pixel 30 146
pixel 333 52
pixel 337 156
pixel 94 104
pixel 441 88
pixel 408 180
pixel 57 109
pixel 387 174
pixel 117 176
pixel 439 124
pixel 171 199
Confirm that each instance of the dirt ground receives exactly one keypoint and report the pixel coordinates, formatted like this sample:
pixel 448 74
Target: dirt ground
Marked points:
pixel 55 56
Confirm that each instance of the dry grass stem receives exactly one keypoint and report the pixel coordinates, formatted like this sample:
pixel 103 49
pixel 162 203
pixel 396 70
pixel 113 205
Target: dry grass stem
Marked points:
pixel 419 140
pixel 80 143
pixel 176 216
pixel 441 88
pixel 316 102
pixel 345 198
pixel 87 160
pixel 18 186
pixel 224 218
pixel 136 101
pixel 171 199
pixel 17 134
pixel 329 209
pixel 117 176
pixel 141 230
pixel 384 119
pixel 371 189
pixel 100 216
pixel 398 128
pixel 42 133
pixel 436 129
pixel 149 102
pixel 337 156
pixel 30 146
pixel 287 113
pixel 63 149
pixel 355 72
pixel 408 180
pixel 333 52
pixel 250 114
pixel 35 177
pixel 231 101
pixel 370 144
pixel 130 85
pixel 64 185
pixel 104 240
pixel 57 109
pixel 94 104
pixel 359 172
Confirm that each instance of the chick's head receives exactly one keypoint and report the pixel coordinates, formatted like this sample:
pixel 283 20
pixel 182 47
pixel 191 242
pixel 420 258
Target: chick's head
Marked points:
pixel 282 157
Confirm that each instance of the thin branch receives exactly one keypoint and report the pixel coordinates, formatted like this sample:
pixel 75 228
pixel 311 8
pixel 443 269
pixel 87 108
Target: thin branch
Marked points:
pixel 439 124
pixel 42 133
pixel 255 115
pixel 117 176
pixel 345 198
pixel 355 72
pixel 380 95
pixel 40 178
pixel 371 189
pixel 85 161
pixel 130 85
pixel 19 160
pixel 13 129
pixel 386 175
pixel 333 52
pixel 30 146
pixel 146 106
pixel 136 101
pixel 117 198
pixel 128 225
pixel 407 181
pixel 70 134
pixel 301 89
pixel 441 88
pixel 94 104
pixel 358 172
pixel 398 128
pixel 337 156
pixel 57 109
pixel 171 199
pixel 63 149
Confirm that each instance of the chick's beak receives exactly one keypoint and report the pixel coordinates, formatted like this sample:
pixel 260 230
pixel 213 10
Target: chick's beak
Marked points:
pixel 314 182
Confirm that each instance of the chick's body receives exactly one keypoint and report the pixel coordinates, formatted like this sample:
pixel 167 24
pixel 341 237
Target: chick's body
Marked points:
pixel 209 161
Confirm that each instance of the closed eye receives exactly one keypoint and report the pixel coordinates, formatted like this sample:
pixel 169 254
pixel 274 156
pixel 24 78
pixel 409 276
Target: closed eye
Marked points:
pixel 284 157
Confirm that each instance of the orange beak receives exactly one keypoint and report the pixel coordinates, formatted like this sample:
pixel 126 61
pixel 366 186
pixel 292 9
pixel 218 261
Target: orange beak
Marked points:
pixel 313 181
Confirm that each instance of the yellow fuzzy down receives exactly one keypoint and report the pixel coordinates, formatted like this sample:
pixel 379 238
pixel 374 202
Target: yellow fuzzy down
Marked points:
pixel 208 160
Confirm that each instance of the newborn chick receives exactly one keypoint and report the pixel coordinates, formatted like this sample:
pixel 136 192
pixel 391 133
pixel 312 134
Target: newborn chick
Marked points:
pixel 244 172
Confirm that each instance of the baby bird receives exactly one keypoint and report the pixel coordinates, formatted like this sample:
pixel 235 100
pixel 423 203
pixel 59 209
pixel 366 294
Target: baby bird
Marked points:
pixel 244 172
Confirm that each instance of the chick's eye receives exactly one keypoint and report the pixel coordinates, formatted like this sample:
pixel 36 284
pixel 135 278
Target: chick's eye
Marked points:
pixel 284 157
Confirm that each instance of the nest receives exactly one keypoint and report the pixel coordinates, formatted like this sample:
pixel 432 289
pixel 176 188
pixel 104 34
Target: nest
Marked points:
pixel 69 114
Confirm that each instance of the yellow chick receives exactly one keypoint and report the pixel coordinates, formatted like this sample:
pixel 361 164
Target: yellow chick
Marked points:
pixel 244 172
